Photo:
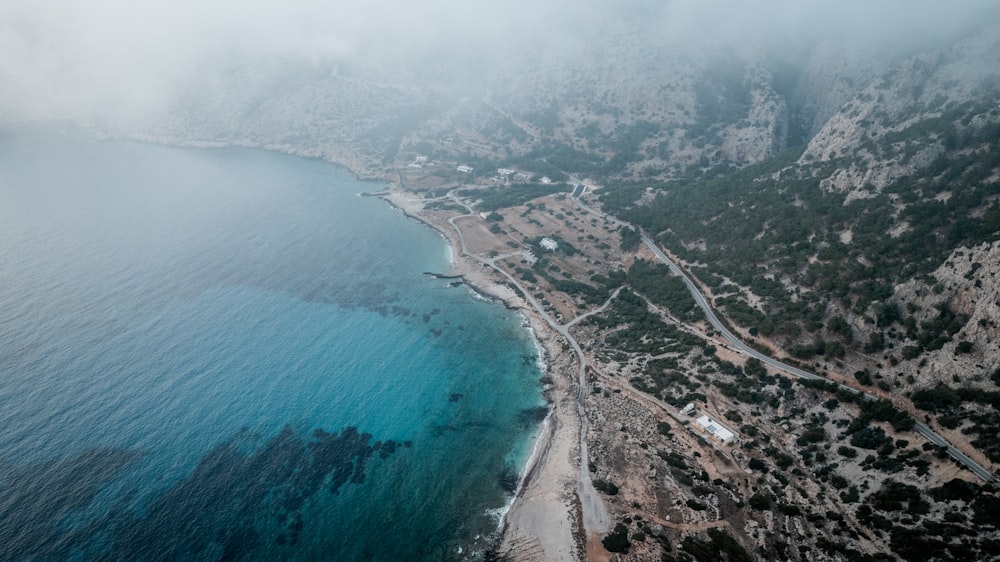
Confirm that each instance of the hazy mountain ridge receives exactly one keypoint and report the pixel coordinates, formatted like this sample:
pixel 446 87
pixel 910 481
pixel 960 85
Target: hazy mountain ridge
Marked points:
pixel 297 107
pixel 719 106
pixel 887 115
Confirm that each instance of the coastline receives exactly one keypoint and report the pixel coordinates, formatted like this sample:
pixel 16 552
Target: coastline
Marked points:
pixel 542 520
pixel 526 440
pixel 334 154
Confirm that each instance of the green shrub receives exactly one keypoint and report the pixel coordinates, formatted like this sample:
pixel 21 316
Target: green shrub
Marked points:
pixel 617 540
pixel 759 502
pixel 696 505
pixel 607 487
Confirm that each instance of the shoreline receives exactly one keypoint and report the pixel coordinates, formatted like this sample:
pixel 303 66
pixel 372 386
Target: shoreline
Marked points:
pixel 332 154
pixel 541 520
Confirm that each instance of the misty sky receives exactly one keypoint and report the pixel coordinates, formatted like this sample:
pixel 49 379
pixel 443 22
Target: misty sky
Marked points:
pixel 75 57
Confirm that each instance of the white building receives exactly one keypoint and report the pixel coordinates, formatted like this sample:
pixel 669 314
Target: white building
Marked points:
pixel 464 169
pixel 716 429
pixel 504 172
pixel 549 244
pixel 546 180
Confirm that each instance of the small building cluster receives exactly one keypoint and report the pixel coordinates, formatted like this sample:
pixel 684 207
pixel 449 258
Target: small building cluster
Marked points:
pixel 418 162
pixel 503 175
pixel 549 244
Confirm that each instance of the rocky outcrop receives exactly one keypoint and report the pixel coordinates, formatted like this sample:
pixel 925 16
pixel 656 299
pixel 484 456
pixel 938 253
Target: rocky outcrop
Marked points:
pixel 762 134
pixel 966 284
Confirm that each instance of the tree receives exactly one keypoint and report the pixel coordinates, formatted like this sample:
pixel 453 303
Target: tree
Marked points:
pixel 759 502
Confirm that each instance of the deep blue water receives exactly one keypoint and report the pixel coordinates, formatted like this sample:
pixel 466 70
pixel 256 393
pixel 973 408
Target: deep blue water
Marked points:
pixel 229 354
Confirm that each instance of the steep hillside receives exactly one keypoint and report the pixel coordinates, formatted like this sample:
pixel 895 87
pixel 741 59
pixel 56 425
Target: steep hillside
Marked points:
pixel 873 249
pixel 808 247
pixel 899 124
pixel 611 100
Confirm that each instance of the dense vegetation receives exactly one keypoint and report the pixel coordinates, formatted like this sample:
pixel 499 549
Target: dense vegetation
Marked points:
pixel 519 194
pixel 659 285
pixel 637 329
pixel 974 412
pixel 781 237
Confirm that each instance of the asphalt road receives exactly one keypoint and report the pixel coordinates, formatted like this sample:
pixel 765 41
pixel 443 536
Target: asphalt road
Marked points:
pixel 919 427
pixel 737 343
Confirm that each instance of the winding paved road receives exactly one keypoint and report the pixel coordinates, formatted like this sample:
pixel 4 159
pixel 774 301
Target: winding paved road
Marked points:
pixel 919 426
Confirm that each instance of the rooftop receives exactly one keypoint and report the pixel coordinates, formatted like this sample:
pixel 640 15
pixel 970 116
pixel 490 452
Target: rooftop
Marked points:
pixel 716 429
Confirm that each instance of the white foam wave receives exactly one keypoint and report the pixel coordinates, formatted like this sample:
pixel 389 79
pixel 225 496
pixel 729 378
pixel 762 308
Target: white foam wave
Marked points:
pixel 499 514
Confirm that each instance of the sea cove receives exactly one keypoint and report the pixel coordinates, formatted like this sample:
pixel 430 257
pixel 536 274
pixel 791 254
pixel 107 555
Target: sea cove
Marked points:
pixel 227 353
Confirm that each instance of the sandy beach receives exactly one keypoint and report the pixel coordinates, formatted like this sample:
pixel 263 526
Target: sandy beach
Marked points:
pixel 544 521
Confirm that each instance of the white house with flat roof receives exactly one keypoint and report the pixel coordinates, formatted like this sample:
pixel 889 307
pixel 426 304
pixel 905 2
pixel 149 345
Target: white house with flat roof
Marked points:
pixel 716 429
pixel 549 244
pixel 464 169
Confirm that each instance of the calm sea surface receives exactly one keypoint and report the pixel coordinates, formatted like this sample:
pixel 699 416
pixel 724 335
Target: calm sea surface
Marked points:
pixel 230 355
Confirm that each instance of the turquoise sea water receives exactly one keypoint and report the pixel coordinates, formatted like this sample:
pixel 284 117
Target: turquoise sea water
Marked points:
pixel 230 355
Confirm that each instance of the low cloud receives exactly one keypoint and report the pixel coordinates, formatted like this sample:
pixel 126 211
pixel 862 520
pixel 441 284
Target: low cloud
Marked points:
pixel 75 58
